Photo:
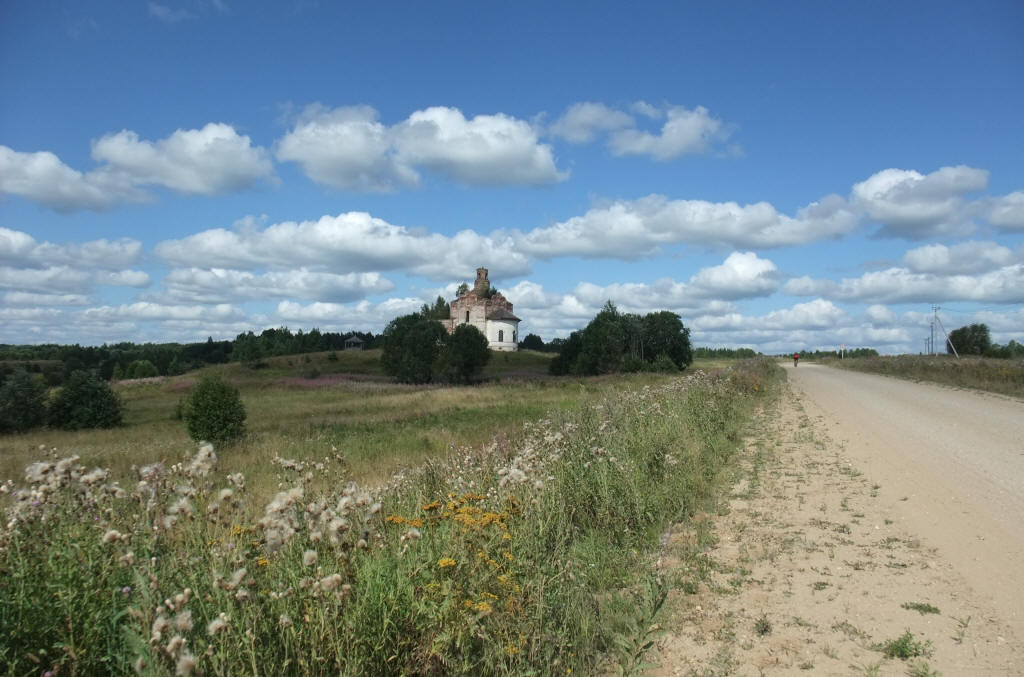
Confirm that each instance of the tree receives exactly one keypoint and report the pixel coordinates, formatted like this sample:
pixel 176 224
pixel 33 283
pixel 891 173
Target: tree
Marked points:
pixel 142 369
pixel 411 345
pixel 22 402
pixel 603 343
pixel 462 290
pixel 438 311
pixel 465 354
pixel 664 334
pixel 85 401
pixel 213 411
pixel 569 352
pixel 247 349
pixel 972 339
pixel 532 342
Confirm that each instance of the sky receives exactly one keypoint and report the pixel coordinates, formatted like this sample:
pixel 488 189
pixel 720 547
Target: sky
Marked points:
pixel 784 176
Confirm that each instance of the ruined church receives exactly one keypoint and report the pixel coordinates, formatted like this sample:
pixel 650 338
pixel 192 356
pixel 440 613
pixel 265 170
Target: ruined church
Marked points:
pixel 487 310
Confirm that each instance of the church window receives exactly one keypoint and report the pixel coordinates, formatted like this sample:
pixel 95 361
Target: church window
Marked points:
pixel 501 336
pixel 467 316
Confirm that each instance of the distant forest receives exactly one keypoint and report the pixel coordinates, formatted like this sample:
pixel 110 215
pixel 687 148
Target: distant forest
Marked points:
pixel 133 360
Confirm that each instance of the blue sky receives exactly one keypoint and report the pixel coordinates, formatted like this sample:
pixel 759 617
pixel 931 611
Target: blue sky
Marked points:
pixel 782 175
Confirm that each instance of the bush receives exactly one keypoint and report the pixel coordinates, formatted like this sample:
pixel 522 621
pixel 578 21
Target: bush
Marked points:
pixel 664 363
pixel 466 354
pixel 142 369
pixel 22 402
pixel 85 401
pixel 412 344
pixel 213 411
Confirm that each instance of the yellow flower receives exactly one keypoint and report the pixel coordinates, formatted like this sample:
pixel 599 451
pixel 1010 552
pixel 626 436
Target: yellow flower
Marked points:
pixel 433 505
pixel 262 562
pixel 482 607
pixel 445 562
pixel 395 519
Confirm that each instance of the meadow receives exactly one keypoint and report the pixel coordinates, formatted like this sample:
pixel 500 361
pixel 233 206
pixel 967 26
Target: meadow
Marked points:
pixel 1003 376
pixel 363 527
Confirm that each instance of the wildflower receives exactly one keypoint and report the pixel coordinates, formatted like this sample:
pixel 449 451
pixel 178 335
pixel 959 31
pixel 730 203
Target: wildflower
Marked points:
pixel 483 607
pixel 242 595
pixel 262 562
pixel 238 577
pixel 176 644
pixel 284 621
pixel 329 583
pixel 140 664
pixel 111 536
pixel 94 476
pixel 225 495
pixel 126 590
pixel 445 562
pixel 160 626
pixel 434 505
pixel 217 624
pixel 183 621
pixel 186 664
pixel 309 558
pixel 412 534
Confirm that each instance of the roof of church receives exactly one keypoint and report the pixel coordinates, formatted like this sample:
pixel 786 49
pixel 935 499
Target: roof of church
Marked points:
pixel 501 314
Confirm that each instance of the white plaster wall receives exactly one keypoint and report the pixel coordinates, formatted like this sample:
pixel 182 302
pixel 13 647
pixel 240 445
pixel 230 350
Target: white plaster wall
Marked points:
pixel 509 328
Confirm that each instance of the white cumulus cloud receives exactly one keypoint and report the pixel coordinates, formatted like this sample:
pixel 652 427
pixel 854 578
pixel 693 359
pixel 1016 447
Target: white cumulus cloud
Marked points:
pixel 1007 212
pixel 207 161
pixel 346 243
pixel 349 148
pixel 41 177
pixel 630 229
pixel 966 257
pixel 582 121
pixel 223 285
pixel 685 132
pixel 912 205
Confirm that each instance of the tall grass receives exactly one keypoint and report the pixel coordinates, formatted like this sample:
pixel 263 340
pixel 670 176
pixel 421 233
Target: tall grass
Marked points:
pixel 991 375
pixel 529 555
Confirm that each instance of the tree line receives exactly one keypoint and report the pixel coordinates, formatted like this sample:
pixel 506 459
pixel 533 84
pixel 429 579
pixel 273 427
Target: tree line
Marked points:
pixel 615 341
pixel 975 339
pixel 55 363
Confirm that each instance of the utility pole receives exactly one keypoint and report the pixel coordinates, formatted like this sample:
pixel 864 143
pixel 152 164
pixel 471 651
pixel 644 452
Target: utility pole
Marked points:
pixel 935 310
pixel 931 335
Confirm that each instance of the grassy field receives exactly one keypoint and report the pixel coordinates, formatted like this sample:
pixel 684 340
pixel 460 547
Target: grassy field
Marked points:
pixel 312 407
pixel 992 375
pixel 528 551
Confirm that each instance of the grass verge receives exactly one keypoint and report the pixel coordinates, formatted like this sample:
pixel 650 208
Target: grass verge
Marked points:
pixel 991 375
pixel 530 555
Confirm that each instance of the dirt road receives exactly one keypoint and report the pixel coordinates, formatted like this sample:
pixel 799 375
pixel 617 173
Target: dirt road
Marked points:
pixel 870 514
pixel 952 463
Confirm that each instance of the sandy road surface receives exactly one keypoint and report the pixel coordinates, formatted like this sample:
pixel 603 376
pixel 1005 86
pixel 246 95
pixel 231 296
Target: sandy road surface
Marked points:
pixel 864 508
pixel 956 456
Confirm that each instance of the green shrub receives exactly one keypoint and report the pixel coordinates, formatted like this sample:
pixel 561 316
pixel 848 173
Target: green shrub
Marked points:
pixel 85 401
pixel 142 369
pixel 664 363
pixel 213 411
pixel 411 345
pixel 22 402
pixel 466 354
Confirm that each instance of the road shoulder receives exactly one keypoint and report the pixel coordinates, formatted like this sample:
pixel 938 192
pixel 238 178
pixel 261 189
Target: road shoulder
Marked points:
pixel 804 571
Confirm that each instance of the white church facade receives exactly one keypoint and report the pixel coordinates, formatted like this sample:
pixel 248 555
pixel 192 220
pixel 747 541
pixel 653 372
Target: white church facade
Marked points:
pixel 488 311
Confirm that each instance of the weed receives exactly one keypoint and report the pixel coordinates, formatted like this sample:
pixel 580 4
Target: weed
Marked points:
pixel 922 669
pixel 920 607
pixel 961 629
pixel 905 646
pixel 763 626
pixel 874 670
pixel 819 585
